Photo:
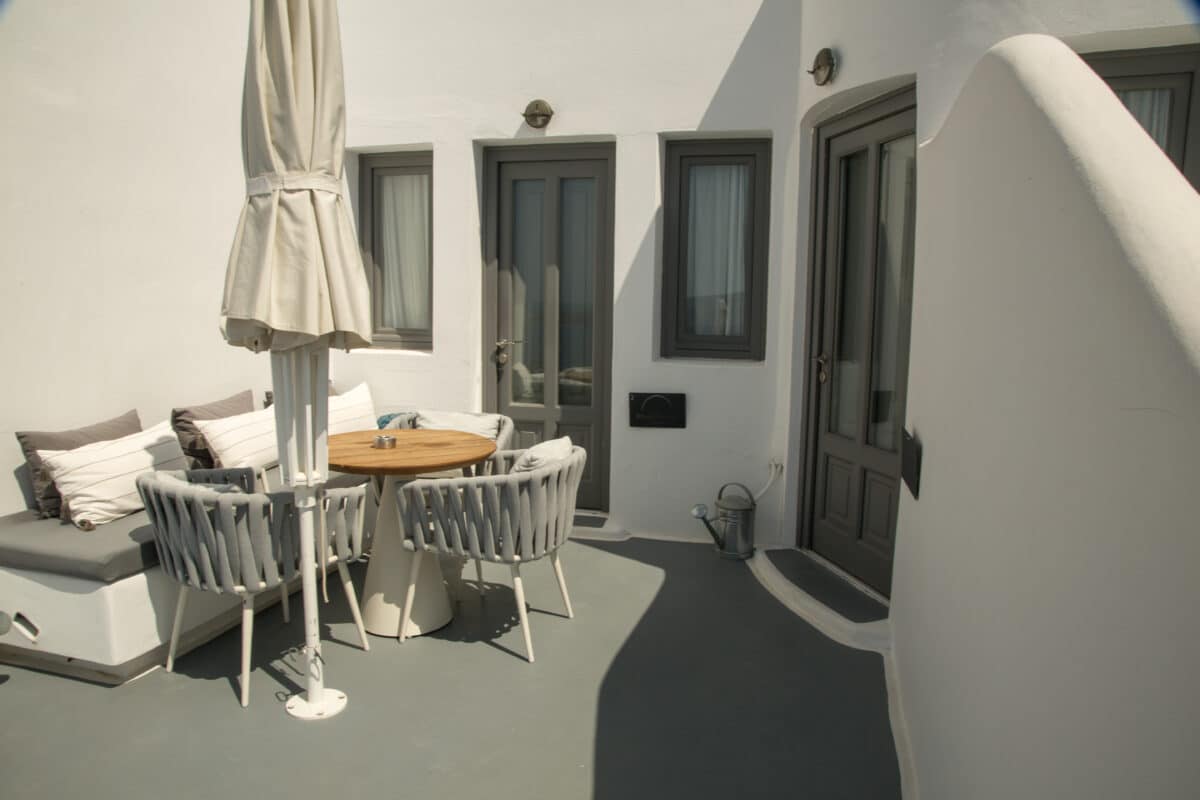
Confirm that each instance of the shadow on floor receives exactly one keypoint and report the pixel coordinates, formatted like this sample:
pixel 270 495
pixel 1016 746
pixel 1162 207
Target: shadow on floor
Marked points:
pixel 482 619
pixel 720 691
pixel 277 646
pixel 678 677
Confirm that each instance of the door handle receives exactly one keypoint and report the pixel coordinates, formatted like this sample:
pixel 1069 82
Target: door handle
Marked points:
pixel 501 346
pixel 822 367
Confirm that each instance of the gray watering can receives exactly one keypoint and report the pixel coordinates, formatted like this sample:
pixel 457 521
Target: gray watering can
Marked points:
pixel 734 531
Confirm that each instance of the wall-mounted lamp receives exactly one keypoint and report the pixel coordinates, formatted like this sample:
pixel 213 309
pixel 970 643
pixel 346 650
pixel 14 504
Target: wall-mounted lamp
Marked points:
pixel 824 66
pixel 538 113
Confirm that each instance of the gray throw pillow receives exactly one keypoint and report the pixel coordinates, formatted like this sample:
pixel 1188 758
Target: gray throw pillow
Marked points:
pixel 183 422
pixel 49 502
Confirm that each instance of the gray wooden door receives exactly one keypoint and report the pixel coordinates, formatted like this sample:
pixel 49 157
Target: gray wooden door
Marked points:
pixel 547 342
pixel 859 369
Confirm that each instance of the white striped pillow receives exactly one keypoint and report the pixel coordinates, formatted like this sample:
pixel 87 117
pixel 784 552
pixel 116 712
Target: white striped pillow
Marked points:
pixel 98 480
pixel 352 411
pixel 243 440
pixel 543 454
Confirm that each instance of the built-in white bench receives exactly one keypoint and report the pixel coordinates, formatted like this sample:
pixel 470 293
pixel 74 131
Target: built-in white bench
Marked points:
pixel 101 606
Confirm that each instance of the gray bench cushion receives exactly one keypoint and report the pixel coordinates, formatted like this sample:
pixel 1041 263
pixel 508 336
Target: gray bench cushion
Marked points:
pixel 113 551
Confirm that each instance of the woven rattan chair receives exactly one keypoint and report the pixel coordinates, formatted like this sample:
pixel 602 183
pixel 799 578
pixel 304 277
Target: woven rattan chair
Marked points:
pixel 504 436
pixel 215 534
pixel 497 515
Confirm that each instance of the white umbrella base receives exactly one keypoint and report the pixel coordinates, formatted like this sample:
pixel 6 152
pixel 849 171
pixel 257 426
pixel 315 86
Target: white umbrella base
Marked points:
pixel 330 704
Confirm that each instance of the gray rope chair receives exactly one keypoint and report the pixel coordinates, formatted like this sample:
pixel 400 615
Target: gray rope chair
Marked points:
pixel 496 515
pixel 408 420
pixel 213 533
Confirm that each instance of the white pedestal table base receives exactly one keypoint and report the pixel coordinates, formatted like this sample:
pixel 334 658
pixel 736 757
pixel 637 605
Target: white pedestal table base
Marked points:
pixel 387 579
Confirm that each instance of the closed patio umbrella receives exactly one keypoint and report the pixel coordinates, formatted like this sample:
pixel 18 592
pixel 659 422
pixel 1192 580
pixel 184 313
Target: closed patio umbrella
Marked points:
pixel 295 283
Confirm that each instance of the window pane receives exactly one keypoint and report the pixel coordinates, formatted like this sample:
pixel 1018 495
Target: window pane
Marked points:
pixel 576 268
pixel 1152 108
pixel 718 225
pixel 897 187
pixel 850 344
pixel 404 250
pixel 528 307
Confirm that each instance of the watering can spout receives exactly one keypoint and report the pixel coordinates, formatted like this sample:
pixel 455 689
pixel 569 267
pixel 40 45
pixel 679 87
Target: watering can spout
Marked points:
pixel 700 512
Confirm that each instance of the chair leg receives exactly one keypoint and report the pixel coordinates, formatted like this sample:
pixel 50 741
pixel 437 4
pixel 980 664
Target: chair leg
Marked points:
pixel 562 583
pixel 409 593
pixel 479 575
pixel 352 600
pixel 180 604
pixel 519 590
pixel 283 602
pixel 247 636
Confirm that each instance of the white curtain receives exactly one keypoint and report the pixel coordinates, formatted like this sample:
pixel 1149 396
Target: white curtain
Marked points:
pixel 404 239
pixel 1152 108
pixel 716 249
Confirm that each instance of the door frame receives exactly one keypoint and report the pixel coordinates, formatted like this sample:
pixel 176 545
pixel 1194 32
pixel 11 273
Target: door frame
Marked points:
pixel 861 115
pixel 493 157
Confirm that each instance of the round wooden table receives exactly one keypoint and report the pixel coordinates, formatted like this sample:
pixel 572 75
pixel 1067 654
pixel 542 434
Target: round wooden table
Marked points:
pixel 417 452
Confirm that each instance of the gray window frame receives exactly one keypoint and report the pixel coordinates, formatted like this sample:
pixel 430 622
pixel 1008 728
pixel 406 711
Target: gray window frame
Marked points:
pixel 681 155
pixel 1173 68
pixel 371 167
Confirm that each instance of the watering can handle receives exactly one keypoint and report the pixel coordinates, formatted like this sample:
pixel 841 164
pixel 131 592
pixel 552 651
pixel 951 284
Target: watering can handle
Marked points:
pixel 742 486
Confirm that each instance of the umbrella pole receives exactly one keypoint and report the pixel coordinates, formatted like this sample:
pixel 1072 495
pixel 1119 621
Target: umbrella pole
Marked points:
pixel 301 381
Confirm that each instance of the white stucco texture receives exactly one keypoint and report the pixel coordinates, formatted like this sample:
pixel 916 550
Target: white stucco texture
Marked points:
pixel 121 155
pixel 939 41
pixel 1044 592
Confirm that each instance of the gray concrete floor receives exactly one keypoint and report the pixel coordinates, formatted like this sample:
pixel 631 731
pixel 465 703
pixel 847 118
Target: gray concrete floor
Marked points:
pixel 680 677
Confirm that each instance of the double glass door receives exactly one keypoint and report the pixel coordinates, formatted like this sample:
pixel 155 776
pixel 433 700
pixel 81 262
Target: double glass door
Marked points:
pixel 550 356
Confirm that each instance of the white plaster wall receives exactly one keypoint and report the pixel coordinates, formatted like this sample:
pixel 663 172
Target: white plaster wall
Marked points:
pixel 941 40
pixel 455 76
pixel 121 156
pixel 1044 592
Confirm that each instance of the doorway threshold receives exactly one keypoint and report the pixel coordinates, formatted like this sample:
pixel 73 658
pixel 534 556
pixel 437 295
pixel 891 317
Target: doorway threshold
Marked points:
pixel 841 593
pixel 830 603
pixel 596 525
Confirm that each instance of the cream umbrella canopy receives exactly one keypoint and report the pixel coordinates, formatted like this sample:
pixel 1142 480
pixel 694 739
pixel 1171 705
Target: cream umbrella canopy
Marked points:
pixel 295 283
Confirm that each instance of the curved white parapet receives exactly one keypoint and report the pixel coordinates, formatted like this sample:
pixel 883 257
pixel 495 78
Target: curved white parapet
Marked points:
pixel 1046 581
